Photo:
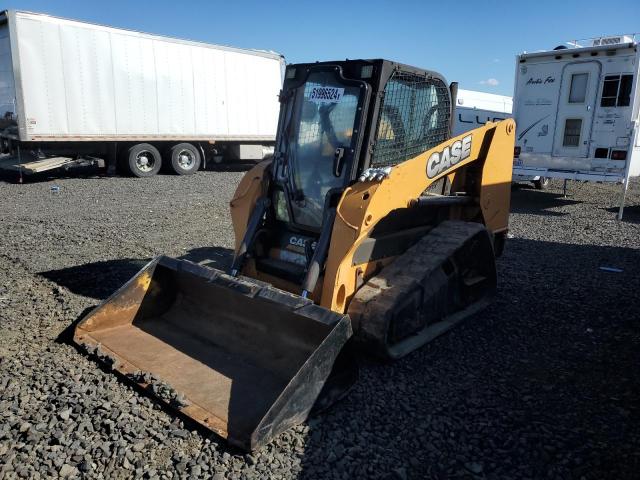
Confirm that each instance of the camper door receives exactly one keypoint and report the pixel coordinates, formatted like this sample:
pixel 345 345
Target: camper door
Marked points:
pixel 576 105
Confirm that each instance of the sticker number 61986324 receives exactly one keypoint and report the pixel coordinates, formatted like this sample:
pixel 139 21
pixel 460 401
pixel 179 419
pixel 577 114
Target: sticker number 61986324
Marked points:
pixel 326 94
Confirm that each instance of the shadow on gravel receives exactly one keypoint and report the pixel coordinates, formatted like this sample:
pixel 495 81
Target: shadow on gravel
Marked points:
pixel 96 280
pixel 231 166
pixel 536 202
pixel 100 279
pixel 631 213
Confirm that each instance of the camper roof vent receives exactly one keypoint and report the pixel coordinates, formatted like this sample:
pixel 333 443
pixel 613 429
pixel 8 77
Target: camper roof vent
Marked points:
pixel 615 40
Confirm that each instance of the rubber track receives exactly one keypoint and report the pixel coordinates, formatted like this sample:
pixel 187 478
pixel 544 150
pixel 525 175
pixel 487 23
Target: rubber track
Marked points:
pixel 417 269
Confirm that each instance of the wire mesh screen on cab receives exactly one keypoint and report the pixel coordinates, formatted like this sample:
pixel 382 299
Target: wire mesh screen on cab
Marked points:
pixel 414 117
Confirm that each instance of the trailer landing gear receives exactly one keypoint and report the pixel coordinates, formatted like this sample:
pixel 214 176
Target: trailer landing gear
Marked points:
pixel 625 185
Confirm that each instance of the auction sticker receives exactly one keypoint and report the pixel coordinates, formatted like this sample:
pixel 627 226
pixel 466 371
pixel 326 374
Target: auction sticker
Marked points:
pixel 326 94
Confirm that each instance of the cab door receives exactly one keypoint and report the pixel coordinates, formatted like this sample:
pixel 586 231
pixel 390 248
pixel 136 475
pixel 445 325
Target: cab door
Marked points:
pixel 576 105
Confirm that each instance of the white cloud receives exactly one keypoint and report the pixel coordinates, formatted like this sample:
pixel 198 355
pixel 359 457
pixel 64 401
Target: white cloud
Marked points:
pixel 496 60
pixel 492 82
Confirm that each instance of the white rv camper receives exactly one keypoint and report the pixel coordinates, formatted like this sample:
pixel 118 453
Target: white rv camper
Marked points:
pixel 474 109
pixel 576 112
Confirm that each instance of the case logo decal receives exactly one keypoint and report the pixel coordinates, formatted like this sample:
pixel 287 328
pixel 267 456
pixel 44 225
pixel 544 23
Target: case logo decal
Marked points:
pixel 441 161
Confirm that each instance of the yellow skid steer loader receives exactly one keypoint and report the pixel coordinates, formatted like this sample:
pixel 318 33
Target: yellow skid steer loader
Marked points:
pixel 370 228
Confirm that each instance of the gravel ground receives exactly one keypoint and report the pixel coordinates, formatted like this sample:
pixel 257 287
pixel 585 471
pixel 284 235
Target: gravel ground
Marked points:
pixel 544 383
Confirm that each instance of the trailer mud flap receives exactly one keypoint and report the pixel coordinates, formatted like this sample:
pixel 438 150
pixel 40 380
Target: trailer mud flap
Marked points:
pixel 242 358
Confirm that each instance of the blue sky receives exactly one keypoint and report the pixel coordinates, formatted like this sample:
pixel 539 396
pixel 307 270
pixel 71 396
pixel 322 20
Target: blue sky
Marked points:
pixel 473 43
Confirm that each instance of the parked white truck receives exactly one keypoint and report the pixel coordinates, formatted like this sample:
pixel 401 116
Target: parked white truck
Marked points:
pixel 576 111
pixel 72 90
pixel 474 109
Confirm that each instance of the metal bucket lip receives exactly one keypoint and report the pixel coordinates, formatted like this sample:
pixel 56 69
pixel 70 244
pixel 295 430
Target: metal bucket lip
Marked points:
pixel 338 332
pixel 344 324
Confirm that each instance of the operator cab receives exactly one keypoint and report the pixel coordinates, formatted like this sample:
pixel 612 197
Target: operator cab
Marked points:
pixel 338 119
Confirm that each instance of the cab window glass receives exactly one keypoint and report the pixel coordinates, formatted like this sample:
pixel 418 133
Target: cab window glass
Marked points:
pixel 323 121
pixel 414 117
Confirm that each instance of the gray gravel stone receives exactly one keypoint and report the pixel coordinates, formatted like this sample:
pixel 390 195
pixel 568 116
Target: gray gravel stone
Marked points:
pixel 473 467
pixel 400 473
pixel 64 414
pixel 68 471
pixel 138 447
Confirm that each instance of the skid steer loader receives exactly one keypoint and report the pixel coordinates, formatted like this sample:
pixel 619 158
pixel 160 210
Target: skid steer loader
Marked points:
pixel 370 228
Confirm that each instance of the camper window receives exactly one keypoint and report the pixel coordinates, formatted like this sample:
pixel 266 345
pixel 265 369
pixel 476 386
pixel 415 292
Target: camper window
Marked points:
pixel 624 96
pixel 572 128
pixel 616 91
pixel 578 90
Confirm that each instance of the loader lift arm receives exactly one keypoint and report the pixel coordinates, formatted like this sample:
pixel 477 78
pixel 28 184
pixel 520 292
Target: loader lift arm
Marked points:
pixel 364 204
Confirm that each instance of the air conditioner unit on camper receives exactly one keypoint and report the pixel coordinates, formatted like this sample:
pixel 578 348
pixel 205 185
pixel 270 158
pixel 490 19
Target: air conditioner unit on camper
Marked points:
pixel 597 42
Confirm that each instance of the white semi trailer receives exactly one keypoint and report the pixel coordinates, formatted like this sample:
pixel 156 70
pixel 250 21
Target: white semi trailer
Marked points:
pixel 71 91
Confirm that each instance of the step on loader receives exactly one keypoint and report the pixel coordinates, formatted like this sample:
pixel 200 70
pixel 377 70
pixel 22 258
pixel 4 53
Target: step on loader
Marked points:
pixel 370 230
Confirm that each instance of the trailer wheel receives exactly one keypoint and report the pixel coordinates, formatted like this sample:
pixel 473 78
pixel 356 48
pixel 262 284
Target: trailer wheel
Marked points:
pixel 185 159
pixel 143 160
pixel 542 183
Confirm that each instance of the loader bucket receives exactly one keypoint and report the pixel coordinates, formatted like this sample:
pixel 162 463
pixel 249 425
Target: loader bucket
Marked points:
pixel 242 358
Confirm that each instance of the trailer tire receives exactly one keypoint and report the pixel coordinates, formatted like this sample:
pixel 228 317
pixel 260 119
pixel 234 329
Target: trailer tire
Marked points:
pixel 542 183
pixel 184 159
pixel 143 160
